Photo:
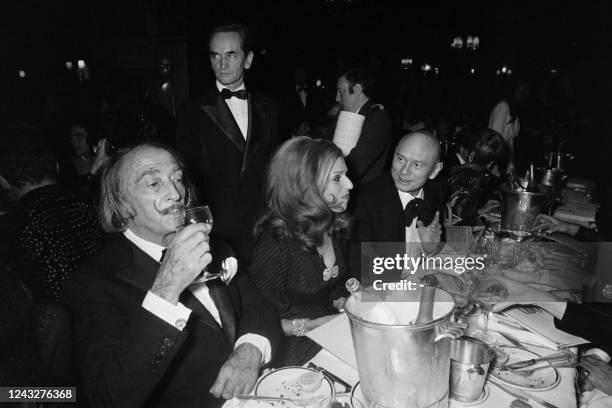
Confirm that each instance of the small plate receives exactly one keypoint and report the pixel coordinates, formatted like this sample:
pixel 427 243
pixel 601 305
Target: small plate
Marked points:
pixel 542 379
pixel 483 398
pixel 284 383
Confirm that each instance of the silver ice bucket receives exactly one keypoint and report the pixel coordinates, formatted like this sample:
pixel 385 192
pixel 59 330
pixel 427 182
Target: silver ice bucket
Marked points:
pixel 405 365
pixel 519 209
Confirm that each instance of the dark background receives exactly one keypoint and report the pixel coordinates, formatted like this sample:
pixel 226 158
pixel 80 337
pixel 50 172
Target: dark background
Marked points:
pixel 122 42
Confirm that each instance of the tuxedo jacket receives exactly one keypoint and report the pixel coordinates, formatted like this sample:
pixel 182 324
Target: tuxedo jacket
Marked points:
pixel 368 159
pixel 378 214
pixel 294 112
pixel 229 171
pixel 128 357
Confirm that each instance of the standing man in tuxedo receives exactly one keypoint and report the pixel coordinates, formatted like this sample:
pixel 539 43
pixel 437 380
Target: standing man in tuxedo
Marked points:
pixel 145 335
pixel 302 106
pixel 226 138
pixel 405 205
pixel 367 160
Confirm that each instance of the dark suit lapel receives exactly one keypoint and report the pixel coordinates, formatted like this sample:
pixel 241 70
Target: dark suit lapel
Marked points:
pixel 390 210
pixel 198 311
pixel 221 297
pixel 257 115
pixel 220 113
pixel 140 271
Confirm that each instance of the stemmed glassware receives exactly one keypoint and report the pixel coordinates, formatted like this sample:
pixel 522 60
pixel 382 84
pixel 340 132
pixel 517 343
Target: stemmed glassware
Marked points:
pixel 204 215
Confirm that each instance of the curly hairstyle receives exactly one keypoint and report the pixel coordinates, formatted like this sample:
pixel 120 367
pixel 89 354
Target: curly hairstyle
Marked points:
pixel 491 147
pixel 113 199
pixel 297 209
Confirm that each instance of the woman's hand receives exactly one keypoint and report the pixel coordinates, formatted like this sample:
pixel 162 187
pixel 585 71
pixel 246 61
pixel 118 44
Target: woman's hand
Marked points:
pixel 550 224
pixel 101 157
pixel 309 324
pixel 597 373
pixel 339 304
pixel 314 323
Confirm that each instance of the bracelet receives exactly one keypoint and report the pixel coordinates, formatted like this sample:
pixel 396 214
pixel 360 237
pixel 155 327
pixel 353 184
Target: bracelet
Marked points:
pixel 299 327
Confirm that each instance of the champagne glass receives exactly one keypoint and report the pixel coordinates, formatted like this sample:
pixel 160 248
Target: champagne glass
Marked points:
pixel 204 215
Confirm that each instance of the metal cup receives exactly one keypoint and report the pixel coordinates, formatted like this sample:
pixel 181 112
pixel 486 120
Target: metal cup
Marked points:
pixel 470 359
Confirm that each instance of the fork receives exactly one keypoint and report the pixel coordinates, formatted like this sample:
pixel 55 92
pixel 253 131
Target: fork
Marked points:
pixel 296 402
pixel 530 309
pixel 529 372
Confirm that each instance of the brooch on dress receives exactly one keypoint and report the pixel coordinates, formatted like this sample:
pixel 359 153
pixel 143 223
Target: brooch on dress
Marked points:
pixel 329 273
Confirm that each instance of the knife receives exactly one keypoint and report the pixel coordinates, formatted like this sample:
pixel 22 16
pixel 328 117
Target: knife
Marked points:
pixel 523 396
pixel 530 362
pixel 347 387
pixel 513 340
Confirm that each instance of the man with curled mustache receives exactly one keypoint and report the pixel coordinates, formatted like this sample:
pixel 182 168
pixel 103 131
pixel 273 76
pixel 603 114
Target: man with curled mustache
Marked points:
pixel 144 334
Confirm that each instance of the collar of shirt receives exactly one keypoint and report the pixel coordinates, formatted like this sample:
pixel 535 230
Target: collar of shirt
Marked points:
pixel 407 197
pixel 220 87
pixel 149 248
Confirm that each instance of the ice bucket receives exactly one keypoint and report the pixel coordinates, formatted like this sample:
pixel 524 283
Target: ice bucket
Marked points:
pixel 551 181
pixel 403 365
pixel 519 209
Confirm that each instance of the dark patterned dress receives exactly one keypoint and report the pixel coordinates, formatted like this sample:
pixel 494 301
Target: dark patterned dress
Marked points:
pixel 293 280
pixel 469 190
pixel 53 230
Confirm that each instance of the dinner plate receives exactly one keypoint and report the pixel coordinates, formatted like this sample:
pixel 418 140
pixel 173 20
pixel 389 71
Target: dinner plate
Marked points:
pixel 483 397
pixel 542 379
pixel 283 382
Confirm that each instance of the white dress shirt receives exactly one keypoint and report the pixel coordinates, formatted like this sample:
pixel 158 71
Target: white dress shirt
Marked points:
pixel 177 315
pixel 239 108
pixel 412 234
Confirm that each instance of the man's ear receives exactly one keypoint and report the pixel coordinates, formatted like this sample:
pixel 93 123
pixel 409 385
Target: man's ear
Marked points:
pixel 248 60
pixel 471 156
pixel 357 89
pixel 436 170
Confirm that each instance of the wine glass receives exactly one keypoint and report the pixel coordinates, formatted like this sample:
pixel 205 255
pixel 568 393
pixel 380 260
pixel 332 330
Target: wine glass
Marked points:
pixel 204 215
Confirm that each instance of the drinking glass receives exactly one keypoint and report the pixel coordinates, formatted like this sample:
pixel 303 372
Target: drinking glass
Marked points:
pixel 204 215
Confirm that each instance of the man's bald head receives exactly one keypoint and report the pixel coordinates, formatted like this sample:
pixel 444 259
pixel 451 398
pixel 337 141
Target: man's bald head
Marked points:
pixel 416 160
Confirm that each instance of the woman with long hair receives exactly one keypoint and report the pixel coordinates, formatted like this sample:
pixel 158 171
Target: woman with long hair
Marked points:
pixel 299 261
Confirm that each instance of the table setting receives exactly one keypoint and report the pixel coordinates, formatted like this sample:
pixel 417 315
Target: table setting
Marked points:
pixel 488 338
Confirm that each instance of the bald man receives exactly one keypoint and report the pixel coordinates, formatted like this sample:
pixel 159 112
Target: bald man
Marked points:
pixel 406 205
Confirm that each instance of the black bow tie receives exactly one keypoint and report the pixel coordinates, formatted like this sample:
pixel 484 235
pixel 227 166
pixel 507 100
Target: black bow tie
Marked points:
pixel 241 94
pixel 163 255
pixel 302 89
pixel 412 210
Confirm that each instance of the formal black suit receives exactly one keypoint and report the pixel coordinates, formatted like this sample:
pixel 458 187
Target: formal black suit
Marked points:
pixel 369 157
pixel 128 357
pixel 294 112
pixel 228 171
pixel 379 215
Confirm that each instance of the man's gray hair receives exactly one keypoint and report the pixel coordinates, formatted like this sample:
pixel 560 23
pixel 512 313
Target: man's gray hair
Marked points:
pixel 113 200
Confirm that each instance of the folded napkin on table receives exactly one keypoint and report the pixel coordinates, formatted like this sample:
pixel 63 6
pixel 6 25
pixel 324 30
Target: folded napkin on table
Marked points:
pixel 335 337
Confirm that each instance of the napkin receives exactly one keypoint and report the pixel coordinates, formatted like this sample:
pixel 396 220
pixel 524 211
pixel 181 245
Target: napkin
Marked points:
pixel 543 324
pixel 335 337
pixel 348 130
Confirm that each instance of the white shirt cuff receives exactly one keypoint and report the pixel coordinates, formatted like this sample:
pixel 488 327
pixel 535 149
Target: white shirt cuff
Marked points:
pixel 258 341
pixel 175 315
